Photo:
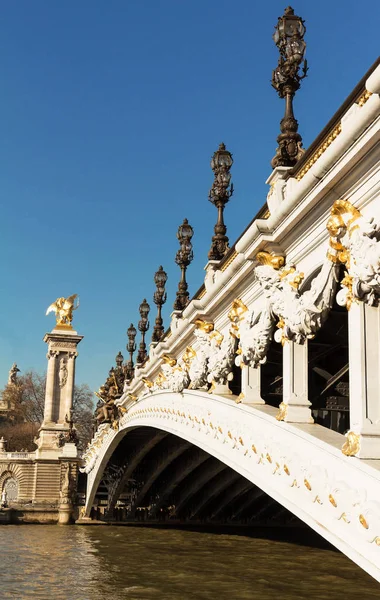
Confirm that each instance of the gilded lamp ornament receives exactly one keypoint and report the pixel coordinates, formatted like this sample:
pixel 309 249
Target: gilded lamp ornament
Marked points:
pixel 286 78
pixel 63 309
pixel 220 193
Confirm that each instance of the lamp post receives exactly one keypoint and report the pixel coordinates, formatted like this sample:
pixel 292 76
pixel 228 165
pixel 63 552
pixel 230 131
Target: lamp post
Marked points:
pixel 183 258
pixel 159 298
pixel 118 373
pixel 143 326
pixel 131 347
pixel 219 195
pixel 286 78
pixel 119 360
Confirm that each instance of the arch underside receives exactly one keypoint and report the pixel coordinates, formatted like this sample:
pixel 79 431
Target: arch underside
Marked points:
pixel 175 474
pixel 215 460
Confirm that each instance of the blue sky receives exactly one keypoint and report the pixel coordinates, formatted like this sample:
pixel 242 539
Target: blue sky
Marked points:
pixel 110 114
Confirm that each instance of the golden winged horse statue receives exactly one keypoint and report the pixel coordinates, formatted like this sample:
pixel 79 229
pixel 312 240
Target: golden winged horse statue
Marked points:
pixel 63 308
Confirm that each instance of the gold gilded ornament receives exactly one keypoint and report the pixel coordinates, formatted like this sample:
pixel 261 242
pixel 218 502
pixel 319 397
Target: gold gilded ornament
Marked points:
pixel 217 336
pixel 320 150
pixel 238 308
pixel 212 388
pixel 344 518
pixel 363 98
pixel 169 360
pixel 294 282
pixel 336 225
pixel 63 309
pixel 272 260
pixel 282 411
pixel 149 384
pixel 363 522
pixel 351 446
pixel 240 398
pixel 188 356
pixel 160 379
pixel 205 326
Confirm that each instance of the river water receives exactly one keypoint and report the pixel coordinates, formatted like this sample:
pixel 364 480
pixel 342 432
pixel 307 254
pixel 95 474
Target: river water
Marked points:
pixel 47 562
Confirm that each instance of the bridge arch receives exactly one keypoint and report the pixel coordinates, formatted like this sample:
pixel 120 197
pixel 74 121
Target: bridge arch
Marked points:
pixel 301 467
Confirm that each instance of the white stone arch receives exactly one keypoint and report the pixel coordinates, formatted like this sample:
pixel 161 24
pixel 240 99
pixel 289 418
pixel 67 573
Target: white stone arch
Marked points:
pixel 308 476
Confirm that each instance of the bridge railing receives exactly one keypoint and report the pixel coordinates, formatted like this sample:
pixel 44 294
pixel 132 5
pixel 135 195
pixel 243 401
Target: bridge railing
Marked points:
pixel 17 455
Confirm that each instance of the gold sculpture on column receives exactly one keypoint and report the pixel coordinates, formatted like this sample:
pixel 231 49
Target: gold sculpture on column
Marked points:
pixel 63 309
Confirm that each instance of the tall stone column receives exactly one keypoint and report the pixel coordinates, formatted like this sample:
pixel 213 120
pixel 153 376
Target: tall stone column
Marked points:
pixel 364 373
pixel 295 407
pixel 62 351
pixel 251 385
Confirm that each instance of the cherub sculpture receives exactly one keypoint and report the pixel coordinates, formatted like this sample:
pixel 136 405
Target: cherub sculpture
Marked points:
pixel 197 366
pixel 63 309
pixel 222 358
pixel 176 377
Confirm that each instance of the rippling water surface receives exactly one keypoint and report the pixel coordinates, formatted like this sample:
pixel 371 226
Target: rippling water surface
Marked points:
pixel 134 563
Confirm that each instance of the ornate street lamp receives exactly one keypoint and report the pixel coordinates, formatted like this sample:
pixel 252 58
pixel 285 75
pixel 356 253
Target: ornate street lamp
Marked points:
pixel 286 78
pixel 131 347
pixel 118 373
pixel 219 195
pixel 183 258
pixel 119 360
pixel 159 298
pixel 143 326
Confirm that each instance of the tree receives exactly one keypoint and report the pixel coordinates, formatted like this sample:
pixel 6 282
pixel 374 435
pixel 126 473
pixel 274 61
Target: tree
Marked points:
pixel 26 401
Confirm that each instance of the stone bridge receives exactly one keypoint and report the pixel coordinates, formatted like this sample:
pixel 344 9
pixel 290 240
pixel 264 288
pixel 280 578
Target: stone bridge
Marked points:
pixel 300 466
pixel 263 397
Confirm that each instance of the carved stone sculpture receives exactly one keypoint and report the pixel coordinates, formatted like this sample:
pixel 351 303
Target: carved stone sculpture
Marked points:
pixel 176 377
pixel 12 377
pixel 63 373
pixel 222 358
pixel 67 487
pixel 355 243
pixel 298 316
pixel 198 369
pixel 256 334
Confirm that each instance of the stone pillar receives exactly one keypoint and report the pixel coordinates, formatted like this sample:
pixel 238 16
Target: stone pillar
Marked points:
pixel 251 385
pixel 62 350
pixel 295 403
pixel 364 375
